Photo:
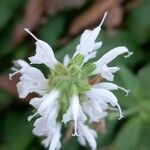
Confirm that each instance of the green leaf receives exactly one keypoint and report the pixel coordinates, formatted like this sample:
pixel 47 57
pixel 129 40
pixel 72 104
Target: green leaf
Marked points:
pixel 130 81
pixel 71 145
pixel 130 135
pixel 5 99
pixel 7 10
pixel 17 130
pixel 53 29
pixel 106 138
pixel 139 22
pixel 67 49
pixel 143 76
pixel 120 38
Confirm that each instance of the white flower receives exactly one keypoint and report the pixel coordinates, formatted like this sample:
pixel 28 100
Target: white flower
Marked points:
pixel 86 134
pixel 66 95
pixel 31 80
pixel 101 65
pixel 44 53
pixel 87 44
pixel 104 97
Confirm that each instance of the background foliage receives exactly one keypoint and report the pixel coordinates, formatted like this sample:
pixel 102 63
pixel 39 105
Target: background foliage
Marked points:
pixel 59 24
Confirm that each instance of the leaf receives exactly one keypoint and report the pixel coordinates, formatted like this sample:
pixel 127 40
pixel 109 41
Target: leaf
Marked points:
pixel 106 138
pixel 7 10
pixel 139 22
pixel 143 76
pixel 120 38
pixel 71 145
pixel 94 13
pixel 31 19
pixel 68 49
pixel 5 99
pixel 130 81
pixel 130 135
pixel 52 30
pixel 17 130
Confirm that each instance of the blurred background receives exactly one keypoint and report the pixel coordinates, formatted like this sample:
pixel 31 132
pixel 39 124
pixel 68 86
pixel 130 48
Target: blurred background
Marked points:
pixel 60 22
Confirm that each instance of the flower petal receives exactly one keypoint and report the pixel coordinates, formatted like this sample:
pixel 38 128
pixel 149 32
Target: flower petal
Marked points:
pixel 112 54
pixel 44 53
pixel 88 135
pixel 31 80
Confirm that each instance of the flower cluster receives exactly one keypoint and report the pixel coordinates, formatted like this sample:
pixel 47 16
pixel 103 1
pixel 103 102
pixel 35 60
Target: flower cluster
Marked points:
pixel 66 95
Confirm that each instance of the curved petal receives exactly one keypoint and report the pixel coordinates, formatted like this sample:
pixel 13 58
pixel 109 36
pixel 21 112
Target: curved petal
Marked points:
pixel 44 53
pixel 112 54
pixel 31 80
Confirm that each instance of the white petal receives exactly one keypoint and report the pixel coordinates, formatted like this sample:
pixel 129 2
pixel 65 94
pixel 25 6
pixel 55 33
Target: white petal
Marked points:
pixel 48 100
pixel 66 60
pixel 36 102
pixel 112 54
pixel 88 135
pixel 106 72
pixel 44 53
pixel 40 128
pixel 56 138
pixel 31 80
pixel 75 111
pixel 110 86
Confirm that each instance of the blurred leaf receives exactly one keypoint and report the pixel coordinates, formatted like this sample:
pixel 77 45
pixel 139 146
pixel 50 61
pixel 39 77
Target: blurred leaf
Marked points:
pixel 31 18
pixel 143 76
pixel 71 145
pixel 7 10
pixel 17 130
pixel 130 81
pixel 130 135
pixel 67 49
pixel 106 138
pixel 52 30
pixel 120 38
pixel 5 99
pixel 145 137
pixel 139 22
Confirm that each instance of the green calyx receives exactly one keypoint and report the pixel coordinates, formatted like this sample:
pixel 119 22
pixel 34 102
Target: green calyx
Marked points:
pixel 70 80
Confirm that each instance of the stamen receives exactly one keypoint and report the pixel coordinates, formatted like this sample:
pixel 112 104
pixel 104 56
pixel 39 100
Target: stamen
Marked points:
pixel 28 31
pixel 12 74
pixel 32 116
pixel 14 69
pixel 120 112
pixel 128 55
pixel 75 130
pixel 103 19
pixel 125 90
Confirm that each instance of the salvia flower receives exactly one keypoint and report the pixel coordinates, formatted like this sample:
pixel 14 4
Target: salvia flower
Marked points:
pixel 66 96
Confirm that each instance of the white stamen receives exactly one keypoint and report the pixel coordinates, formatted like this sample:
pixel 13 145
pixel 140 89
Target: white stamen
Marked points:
pixel 120 112
pixel 128 55
pixel 12 74
pixel 103 19
pixel 125 90
pixel 14 69
pixel 75 129
pixel 28 31
pixel 32 116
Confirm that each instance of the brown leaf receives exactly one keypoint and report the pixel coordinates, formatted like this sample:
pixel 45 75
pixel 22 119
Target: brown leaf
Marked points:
pixel 68 134
pixel 115 16
pixel 91 16
pixel 100 126
pixel 55 6
pixel 95 80
pixel 31 19
pixel 9 85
